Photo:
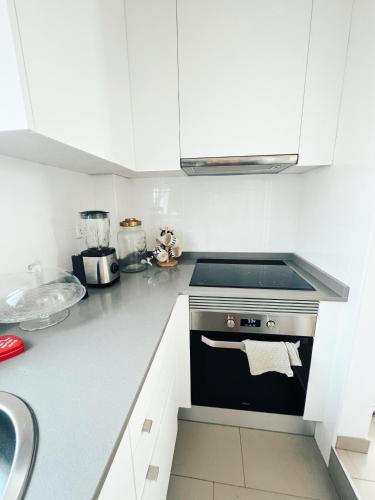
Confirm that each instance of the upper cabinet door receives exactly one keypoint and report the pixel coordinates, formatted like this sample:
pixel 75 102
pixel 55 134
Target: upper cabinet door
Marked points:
pixel 152 49
pixel 75 63
pixel 242 69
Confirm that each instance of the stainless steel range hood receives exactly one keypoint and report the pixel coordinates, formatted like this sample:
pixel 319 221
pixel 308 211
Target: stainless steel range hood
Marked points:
pixel 238 165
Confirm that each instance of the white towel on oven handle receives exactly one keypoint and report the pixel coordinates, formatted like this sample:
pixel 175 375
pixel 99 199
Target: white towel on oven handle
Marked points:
pixel 266 357
pixel 293 353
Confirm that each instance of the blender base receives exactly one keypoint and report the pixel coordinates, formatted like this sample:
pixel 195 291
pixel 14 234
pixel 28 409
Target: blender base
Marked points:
pixel 101 266
pixel 41 323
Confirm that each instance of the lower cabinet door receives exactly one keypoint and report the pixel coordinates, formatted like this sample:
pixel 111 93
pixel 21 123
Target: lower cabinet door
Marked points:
pixel 119 483
pixel 143 453
pixel 157 480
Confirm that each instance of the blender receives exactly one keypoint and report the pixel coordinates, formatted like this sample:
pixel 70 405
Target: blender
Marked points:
pixel 99 259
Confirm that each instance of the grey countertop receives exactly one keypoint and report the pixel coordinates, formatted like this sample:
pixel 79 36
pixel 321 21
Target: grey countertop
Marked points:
pixel 82 377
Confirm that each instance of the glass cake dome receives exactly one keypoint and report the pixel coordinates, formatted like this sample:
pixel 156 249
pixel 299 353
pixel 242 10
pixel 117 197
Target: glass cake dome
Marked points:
pixel 39 297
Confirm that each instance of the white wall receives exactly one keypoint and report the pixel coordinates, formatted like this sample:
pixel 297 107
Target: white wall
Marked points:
pixel 241 213
pixel 359 393
pixel 115 195
pixel 39 208
pixel 336 220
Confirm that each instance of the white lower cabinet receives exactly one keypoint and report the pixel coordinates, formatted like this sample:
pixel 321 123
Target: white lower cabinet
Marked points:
pixel 119 483
pixel 142 464
pixel 157 479
pixel 145 438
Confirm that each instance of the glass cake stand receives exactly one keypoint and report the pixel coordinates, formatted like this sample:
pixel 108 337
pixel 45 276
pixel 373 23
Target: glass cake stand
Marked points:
pixel 38 298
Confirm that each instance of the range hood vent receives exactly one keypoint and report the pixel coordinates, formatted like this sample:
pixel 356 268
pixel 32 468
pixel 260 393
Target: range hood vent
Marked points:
pixel 238 165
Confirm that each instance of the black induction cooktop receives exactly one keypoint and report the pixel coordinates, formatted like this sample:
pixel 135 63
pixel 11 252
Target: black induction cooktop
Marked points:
pixel 269 274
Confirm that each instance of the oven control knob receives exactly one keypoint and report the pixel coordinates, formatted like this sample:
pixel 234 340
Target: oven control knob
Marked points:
pixel 230 322
pixel 270 324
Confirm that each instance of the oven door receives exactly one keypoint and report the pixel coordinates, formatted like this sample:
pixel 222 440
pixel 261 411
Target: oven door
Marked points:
pixel 221 378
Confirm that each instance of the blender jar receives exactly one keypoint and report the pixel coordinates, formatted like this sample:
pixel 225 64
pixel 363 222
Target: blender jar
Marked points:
pixel 95 228
pixel 131 246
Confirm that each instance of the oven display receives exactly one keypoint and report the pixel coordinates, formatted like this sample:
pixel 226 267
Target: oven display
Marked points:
pixel 250 322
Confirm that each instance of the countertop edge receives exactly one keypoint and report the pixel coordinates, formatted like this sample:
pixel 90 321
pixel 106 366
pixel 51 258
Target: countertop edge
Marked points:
pixel 127 418
pixel 334 284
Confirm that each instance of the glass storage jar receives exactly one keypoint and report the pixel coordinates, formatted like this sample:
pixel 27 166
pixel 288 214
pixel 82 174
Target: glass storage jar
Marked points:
pixel 132 246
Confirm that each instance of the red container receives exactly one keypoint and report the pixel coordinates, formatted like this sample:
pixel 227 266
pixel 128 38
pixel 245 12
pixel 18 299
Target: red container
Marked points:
pixel 10 346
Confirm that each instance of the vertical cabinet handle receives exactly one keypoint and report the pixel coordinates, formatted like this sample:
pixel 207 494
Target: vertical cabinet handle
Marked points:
pixel 152 473
pixel 147 424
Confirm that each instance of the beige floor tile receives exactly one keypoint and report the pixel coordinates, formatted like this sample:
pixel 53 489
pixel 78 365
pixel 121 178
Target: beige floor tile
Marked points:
pixel 225 492
pixel 210 452
pixel 345 459
pixel 366 489
pixel 185 488
pixel 360 465
pixel 285 463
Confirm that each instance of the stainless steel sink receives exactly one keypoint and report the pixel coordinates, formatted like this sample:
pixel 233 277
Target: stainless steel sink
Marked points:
pixel 18 440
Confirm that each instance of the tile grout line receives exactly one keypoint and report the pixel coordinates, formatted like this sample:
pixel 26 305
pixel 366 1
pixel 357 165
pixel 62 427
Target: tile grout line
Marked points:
pixel 245 487
pixel 268 491
pixel 242 457
pixel 249 428
pixel 217 482
pixel 354 476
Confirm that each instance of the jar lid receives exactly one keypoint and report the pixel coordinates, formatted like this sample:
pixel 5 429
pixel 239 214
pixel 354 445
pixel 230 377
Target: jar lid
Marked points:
pixel 130 222
pixel 10 346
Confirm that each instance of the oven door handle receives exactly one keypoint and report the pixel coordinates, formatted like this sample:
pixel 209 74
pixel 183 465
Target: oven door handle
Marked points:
pixel 223 345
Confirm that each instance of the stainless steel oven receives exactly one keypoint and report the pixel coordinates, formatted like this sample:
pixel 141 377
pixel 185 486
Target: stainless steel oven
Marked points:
pixel 220 376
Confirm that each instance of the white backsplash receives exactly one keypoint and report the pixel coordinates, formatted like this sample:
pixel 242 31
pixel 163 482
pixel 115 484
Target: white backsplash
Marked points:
pixel 241 213
pixel 39 208
pixel 114 195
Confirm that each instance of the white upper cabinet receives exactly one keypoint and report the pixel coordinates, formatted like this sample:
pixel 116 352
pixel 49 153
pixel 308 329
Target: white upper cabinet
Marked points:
pixel 152 49
pixel 15 112
pixel 242 67
pixel 127 86
pixel 330 28
pixel 69 58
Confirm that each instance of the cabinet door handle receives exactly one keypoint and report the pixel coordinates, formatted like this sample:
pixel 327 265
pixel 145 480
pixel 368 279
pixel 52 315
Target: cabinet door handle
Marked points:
pixel 147 424
pixel 152 473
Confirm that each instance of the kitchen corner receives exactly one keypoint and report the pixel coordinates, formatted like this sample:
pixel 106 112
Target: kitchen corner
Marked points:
pixel 82 377
pixel 187 268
